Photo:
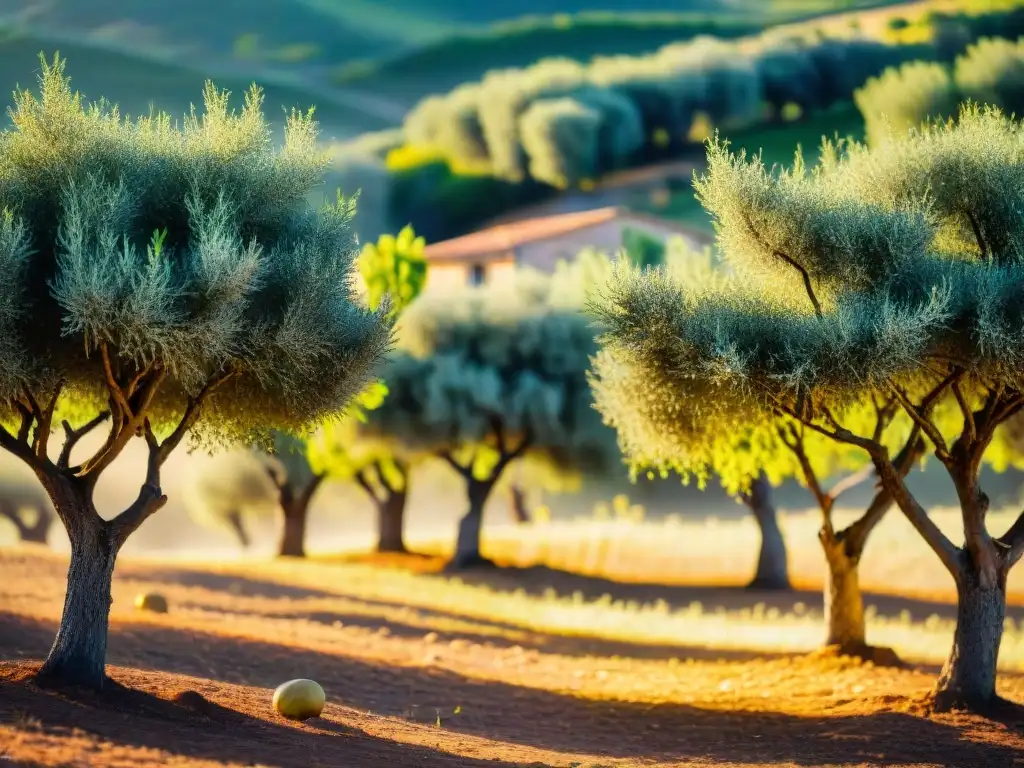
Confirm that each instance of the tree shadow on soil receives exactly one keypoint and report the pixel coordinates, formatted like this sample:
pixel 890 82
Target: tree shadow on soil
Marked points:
pixel 503 636
pixel 507 713
pixel 540 580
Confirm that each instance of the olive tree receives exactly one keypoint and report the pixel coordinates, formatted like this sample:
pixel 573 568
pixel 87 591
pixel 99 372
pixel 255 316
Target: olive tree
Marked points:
pixel 907 263
pixel 160 280
pixel 242 484
pixel 489 377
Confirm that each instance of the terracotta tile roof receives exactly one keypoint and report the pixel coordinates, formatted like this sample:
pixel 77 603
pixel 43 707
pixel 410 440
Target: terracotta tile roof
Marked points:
pixel 497 240
pixel 504 237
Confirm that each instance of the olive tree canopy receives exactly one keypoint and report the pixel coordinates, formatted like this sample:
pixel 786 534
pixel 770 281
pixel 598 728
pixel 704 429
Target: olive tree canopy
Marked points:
pixel 901 277
pixel 489 376
pixel 150 272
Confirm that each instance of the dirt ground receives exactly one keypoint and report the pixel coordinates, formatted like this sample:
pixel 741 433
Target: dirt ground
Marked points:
pixel 421 688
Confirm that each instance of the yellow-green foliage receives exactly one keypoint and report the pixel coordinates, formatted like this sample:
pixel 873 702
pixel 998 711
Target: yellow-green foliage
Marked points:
pixel 904 98
pixel 394 267
pixel 992 72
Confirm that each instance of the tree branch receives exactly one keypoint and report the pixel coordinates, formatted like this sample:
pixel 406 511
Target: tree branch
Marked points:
pixel 113 387
pixel 840 434
pixel 191 414
pixel 72 436
pixel 850 481
pixel 921 415
pixel 27 418
pixel 366 485
pixel 149 500
pixel 508 457
pixel 18 446
pixel 122 428
pixel 796 444
pixel 977 234
pixel 44 424
pixel 382 478
pixel 948 553
pixel 970 428
pixel 1012 542
pixel 857 532
pixel 311 487
pixel 465 471
pixel 788 260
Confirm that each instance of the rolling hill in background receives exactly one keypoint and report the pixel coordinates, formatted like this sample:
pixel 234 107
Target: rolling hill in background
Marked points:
pixel 363 63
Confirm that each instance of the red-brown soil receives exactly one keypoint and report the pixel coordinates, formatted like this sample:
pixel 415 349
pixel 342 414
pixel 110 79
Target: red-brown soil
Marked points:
pixel 419 688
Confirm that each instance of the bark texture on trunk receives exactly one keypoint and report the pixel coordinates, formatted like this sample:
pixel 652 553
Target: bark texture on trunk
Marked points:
pixel 467 545
pixel 78 655
pixel 518 499
pixel 772 561
pixel 391 522
pixel 36 532
pixel 844 604
pixel 968 678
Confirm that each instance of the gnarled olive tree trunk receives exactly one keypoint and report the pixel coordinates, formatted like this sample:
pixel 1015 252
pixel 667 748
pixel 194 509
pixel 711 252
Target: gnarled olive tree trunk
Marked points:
pixel 79 652
pixel 979 568
pixel 772 561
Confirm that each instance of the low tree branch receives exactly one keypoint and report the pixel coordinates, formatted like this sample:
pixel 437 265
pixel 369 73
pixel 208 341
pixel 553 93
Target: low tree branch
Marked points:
pixel 508 457
pixel 122 428
pixel 72 436
pixel 149 500
pixel 970 431
pixel 113 387
pixel 857 532
pixel 948 553
pixel 20 448
pixel 191 414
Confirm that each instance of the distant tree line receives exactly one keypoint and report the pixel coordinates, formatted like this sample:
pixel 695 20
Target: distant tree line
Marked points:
pixel 519 135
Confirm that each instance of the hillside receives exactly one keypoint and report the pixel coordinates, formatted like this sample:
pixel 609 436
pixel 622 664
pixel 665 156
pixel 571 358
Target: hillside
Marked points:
pixel 345 56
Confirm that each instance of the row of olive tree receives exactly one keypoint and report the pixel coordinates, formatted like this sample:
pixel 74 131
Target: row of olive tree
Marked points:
pixel 887 280
pixel 379 450
pixel 991 72
pixel 560 121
